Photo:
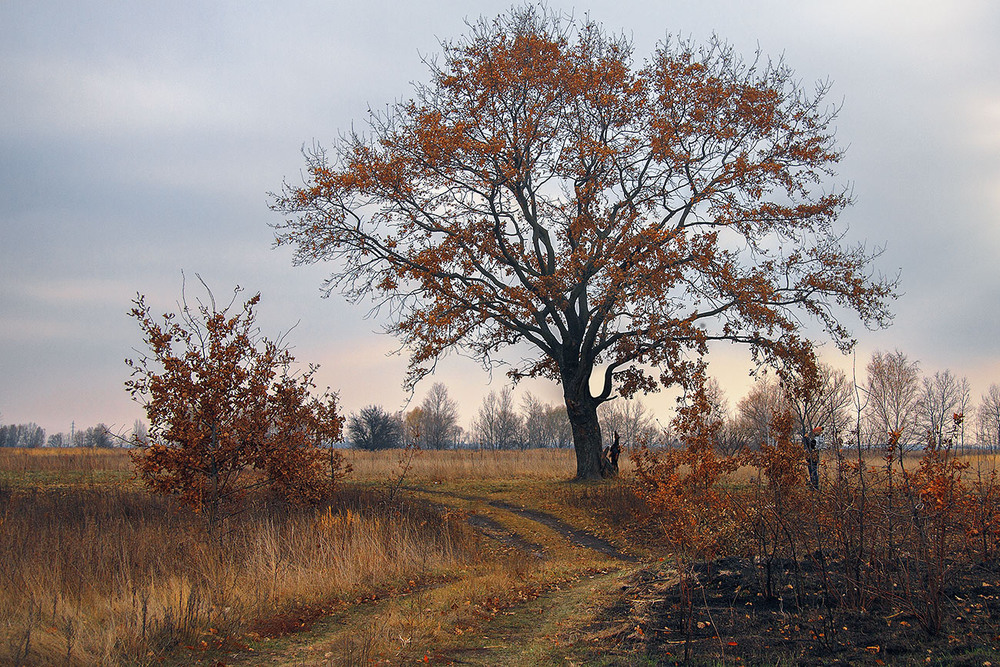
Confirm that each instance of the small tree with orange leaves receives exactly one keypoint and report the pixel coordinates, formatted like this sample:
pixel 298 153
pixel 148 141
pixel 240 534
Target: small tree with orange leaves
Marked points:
pixel 226 412
pixel 684 490
pixel 617 216
pixel 773 507
pixel 939 506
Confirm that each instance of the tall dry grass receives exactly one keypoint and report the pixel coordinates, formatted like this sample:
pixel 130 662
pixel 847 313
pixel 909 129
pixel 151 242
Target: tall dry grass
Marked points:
pixel 112 576
pixel 467 465
pixel 427 465
pixel 16 460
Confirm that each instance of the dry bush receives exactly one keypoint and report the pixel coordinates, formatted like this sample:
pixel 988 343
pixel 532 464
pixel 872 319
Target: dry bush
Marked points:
pixel 112 576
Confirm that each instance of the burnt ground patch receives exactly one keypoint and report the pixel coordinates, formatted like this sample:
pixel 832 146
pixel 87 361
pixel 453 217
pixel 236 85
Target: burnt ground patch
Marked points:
pixel 730 622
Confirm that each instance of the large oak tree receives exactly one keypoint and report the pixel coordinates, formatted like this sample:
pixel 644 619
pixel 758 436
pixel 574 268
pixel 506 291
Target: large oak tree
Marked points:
pixel 543 187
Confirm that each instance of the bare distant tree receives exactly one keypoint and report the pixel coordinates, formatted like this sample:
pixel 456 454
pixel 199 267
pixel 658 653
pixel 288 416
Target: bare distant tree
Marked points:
pixel 439 418
pixel 559 426
pixel 718 402
pixel 893 396
pixel 941 397
pixel 98 436
pixel 838 405
pixel 413 430
pixel 545 425
pixel 534 415
pixel 611 419
pixel 756 410
pixel 630 419
pixel 22 435
pixel 498 426
pixel 820 399
pixel 140 434
pixel 988 418
pixel 966 410
pixel 727 436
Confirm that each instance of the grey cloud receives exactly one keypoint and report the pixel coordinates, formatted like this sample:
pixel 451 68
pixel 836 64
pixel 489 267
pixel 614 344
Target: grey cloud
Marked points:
pixel 141 140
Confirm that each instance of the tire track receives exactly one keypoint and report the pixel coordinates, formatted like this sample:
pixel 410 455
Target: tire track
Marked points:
pixel 578 537
pixel 575 536
pixel 495 530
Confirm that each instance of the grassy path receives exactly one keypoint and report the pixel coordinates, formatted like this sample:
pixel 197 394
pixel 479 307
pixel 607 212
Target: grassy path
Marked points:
pixel 548 630
pixel 567 577
pixel 577 537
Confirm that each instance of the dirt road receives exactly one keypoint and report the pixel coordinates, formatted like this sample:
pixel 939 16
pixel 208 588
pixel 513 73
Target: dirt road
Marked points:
pixel 570 578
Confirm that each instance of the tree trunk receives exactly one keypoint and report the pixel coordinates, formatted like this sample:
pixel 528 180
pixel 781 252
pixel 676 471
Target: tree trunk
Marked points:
pixel 582 412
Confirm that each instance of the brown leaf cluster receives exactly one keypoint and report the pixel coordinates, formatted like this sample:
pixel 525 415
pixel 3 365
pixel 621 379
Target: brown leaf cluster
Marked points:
pixel 227 412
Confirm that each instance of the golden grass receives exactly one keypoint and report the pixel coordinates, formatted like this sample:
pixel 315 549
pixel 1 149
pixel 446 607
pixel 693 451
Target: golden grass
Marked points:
pixel 103 573
pixel 99 573
pixel 450 465
pixel 986 461
pixel 439 466
pixel 111 576
pixel 425 466
pixel 70 459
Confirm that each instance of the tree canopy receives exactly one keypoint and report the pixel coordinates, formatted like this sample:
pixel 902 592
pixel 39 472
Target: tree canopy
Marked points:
pixel 544 187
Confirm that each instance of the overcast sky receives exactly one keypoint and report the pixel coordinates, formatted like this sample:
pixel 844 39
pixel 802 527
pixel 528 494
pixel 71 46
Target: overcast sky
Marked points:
pixel 141 139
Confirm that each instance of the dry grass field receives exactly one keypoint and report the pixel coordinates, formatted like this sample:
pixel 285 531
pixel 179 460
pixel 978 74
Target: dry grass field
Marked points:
pixel 97 571
pixel 465 465
pixel 112 575
pixel 455 557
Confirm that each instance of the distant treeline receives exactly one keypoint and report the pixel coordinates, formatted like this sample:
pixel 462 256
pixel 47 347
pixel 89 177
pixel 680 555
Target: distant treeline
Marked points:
pixel 889 399
pixel 33 435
